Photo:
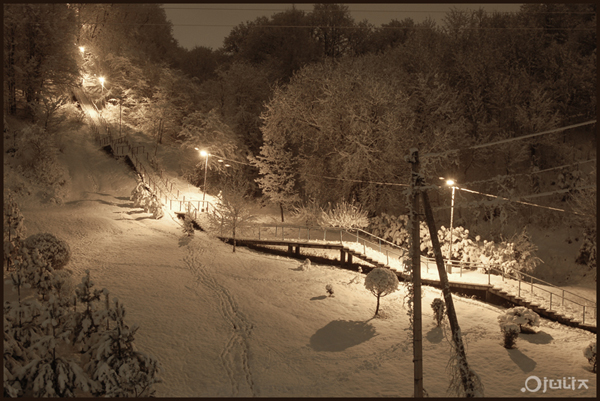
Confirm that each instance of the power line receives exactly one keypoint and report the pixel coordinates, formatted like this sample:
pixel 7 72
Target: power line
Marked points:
pixel 525 203
pixel 484 145
pixel 382 11
pixel 500 177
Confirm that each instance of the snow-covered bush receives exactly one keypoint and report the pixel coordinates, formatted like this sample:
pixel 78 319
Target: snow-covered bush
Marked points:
pixel 305 266
pixel 345 215
pixel 115 366
pixel 155 207
pixel 36 269
pixel 590 353
pixel 14 229
pixel 56 251
pixel 188 225
pixel 510 332
pixel 308 214
pixel 439 308
pixel 381 282
pixel 141 195
pixel 329 289
pixel 389 227
pixel 517 320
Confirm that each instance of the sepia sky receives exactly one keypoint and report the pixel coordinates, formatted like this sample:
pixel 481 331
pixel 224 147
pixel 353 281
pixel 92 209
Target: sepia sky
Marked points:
pixel 208 24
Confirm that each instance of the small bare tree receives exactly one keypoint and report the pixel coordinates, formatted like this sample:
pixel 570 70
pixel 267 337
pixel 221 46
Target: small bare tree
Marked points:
pixel 233 208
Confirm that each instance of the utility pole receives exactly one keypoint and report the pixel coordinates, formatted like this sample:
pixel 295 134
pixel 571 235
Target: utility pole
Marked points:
pixel 465 374
pixel 415 251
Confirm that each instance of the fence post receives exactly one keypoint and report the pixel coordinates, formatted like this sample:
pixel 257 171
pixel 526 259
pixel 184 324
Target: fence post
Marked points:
pixel 324 234
pixel 298 232
pixel 341 236
pixel 308 233
pixel 357 236
pixel 519 293
pixel 532 288
pixel 583 320
pixel 282 233
pixel 550 302
pixel 489 271
pixel 562 300
pixel 387 256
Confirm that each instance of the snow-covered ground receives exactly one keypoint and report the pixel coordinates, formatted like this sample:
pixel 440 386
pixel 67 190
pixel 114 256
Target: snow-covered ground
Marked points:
pixel 250 324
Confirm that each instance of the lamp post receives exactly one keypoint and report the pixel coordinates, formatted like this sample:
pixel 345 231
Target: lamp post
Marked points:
pixel 449 264
pixel 205 154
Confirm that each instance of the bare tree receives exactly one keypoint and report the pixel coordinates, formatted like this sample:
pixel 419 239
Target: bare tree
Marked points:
pixel 233 208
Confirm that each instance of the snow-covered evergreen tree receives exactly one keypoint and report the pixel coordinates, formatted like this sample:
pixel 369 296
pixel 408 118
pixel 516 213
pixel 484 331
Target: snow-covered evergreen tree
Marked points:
pixel 381 282
pixel 50 374
pixel 117 368
pixel 14 229
pixel 87 323
pixel 14 359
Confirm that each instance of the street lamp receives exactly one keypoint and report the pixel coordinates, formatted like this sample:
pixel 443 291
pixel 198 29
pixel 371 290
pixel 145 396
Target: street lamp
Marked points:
pixel 82 50
pixel 205 154
pixel 101 79
pixel 451 183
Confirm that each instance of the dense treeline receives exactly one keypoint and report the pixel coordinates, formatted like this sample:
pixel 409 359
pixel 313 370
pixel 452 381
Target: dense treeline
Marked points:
pixel 313 94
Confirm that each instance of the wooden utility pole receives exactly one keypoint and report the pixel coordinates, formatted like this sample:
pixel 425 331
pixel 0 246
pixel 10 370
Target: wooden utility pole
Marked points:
pixel 415 251
pixel 465 376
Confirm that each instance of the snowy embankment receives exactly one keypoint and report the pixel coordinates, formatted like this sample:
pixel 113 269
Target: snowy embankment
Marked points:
pixel 245 323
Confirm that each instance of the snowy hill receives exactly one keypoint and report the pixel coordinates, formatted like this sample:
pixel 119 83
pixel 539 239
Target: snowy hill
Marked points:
pixel 249 324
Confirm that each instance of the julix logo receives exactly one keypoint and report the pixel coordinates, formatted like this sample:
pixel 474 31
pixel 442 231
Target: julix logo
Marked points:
pixel 567 383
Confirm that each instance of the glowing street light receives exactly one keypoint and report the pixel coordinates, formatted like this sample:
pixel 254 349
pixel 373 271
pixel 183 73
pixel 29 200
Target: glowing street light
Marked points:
pixel 205 154
pixel 101 79
pixel 450 183
pixel 82 49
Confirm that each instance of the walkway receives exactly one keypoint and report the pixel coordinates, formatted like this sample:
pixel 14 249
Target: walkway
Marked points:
pixel 544 298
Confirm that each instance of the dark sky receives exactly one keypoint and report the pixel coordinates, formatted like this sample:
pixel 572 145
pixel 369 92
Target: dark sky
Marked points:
pixel 208 24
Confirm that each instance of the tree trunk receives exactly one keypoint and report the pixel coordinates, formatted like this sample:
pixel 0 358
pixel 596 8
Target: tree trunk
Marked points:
pixel 377 308
pixel 234 237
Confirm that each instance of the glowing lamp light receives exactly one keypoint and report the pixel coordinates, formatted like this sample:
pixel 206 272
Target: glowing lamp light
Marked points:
pixel 81 49
pixel 203 153
pixel 449 182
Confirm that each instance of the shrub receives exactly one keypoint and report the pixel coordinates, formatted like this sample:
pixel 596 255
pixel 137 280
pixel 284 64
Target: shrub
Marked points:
pixel 345 215
pixel 329 289
pixel 56 251
pixel 308 214
pixel 510 333
pixel 381 282
pixel 516 320
pixel 590 353
pixel 439 308
pixel 305 266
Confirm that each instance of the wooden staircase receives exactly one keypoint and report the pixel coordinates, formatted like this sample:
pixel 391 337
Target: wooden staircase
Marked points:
pixel 548 314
